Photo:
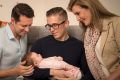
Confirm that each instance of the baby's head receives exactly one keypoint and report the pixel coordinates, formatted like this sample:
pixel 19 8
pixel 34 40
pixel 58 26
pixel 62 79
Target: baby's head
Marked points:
pixel 33 58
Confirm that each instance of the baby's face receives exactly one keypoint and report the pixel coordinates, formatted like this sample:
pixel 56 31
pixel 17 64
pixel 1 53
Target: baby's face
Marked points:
pixel 36 58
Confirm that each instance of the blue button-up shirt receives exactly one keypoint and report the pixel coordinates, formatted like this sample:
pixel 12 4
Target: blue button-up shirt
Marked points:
pixel 11 50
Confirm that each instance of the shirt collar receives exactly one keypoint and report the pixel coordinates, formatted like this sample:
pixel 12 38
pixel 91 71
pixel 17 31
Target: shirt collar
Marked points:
pixel 9 32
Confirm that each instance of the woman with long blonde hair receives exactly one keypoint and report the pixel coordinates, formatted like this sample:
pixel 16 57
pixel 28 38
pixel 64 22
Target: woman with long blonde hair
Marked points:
pixel 101 37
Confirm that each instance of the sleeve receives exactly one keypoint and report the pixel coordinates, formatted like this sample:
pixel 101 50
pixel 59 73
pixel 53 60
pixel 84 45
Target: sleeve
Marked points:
pixel 116 26
pixel 39 73
pixel 86 74
pixel 0 52
pixel 54 63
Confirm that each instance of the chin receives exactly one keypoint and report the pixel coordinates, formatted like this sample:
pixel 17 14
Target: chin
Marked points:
pixel 22 35
pixel 56 37
pixel 86 24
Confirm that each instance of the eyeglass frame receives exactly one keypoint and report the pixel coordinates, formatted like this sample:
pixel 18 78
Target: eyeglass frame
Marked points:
pixel 54 26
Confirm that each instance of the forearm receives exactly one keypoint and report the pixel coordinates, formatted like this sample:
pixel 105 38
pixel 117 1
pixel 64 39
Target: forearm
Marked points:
pixel 40 73
pixel 8 73
pixel 58 73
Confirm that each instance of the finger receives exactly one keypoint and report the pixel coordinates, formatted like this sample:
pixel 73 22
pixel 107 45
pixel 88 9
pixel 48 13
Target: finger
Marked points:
pixel 27 67
pixel 76 72
pixel 28 73
pixel 39 55
pixel 23 62
pixel 60 58
pixel 69 67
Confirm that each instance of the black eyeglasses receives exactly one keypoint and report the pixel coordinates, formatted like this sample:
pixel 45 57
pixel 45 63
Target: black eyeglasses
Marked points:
pixel 54 26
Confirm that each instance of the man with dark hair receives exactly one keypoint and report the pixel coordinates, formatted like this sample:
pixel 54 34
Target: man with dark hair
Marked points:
pixel 60 43
pixel 13 43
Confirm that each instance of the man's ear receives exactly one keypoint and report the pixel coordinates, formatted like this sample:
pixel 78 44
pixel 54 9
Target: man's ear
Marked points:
pixel 12 20
pixel 67 23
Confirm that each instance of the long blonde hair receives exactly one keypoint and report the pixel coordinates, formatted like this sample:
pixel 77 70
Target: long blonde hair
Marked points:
pixel 97 10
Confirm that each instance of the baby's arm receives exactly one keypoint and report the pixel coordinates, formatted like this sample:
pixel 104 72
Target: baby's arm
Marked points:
pixel 54 63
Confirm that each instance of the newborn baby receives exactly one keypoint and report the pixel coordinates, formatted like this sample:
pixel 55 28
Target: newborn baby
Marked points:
pixel 54 63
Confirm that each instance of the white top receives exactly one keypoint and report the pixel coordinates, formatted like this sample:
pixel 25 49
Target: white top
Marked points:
pixel 11 50
pixel 99 56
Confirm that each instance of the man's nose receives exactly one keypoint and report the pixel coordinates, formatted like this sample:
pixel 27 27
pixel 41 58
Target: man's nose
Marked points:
pixel 78 18
pixel 27 29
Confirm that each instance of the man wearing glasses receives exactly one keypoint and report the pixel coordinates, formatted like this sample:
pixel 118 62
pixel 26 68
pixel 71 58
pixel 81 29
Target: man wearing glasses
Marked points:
pixel 60 43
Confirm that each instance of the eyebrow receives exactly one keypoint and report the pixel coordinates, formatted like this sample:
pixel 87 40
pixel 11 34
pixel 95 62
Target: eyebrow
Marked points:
pixel 25 25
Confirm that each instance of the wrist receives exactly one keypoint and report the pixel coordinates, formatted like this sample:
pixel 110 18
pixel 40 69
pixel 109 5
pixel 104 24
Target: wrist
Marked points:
pixel 15 71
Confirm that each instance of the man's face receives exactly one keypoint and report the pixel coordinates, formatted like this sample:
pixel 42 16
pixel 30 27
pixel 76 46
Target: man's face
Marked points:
pixel 57 26
pixel 21 28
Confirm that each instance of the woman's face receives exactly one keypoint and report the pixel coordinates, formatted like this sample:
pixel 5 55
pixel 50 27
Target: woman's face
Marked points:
pixel 83 15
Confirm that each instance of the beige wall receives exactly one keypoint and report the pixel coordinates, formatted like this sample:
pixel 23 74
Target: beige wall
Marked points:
pixel 41 6
pixel 112 5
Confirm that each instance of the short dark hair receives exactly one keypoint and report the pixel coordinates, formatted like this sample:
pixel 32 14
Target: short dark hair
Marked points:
pixel 22 9
pixel 57 11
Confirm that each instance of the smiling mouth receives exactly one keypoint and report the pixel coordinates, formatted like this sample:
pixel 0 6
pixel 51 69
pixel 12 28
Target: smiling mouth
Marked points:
pixel 82 22
pixel 53 33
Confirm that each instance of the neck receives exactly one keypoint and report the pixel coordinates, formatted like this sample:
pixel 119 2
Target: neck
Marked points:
pixel 64 38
